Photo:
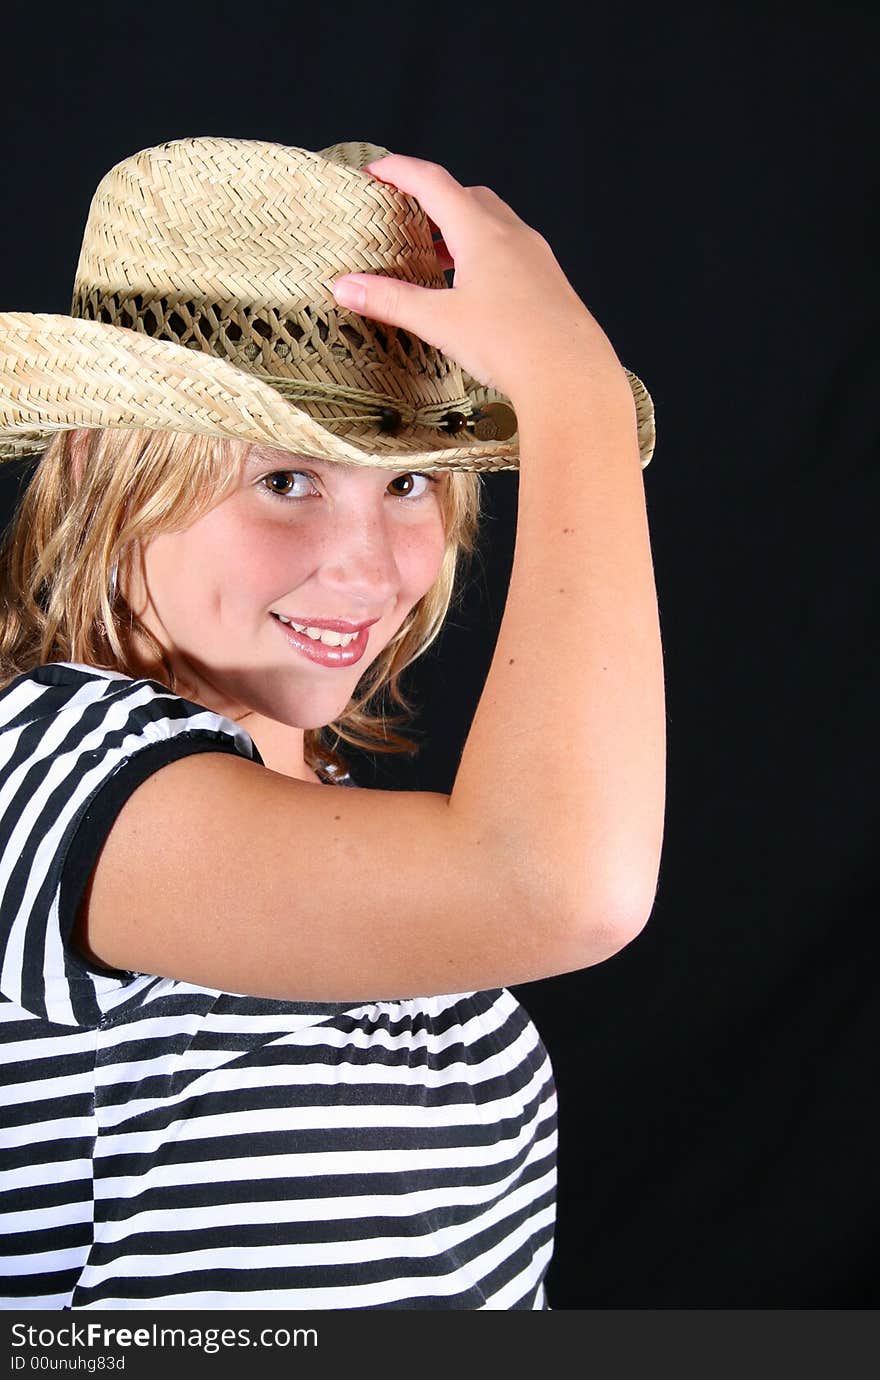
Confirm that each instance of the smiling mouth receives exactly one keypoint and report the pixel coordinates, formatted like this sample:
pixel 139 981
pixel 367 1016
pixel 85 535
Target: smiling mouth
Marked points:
pixel 330 637
pixel 329 648
pixel 339 625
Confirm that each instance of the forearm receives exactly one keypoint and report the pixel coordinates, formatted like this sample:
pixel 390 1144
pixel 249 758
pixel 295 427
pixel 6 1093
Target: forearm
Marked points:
pixel 565 763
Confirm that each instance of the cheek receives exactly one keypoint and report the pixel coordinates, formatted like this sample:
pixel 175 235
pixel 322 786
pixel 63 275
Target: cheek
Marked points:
pixel 244 558
pixel 201 576
pixel 175 572
pixel 423 558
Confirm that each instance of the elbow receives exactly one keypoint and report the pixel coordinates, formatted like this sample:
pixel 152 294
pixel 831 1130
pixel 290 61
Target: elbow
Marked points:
pixel 572 918
pixel 627 927
pixel 608 926
pixel 633 893
pixel 632 913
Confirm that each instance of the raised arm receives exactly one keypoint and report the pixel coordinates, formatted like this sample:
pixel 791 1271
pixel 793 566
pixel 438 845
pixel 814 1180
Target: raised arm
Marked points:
pixel 545 856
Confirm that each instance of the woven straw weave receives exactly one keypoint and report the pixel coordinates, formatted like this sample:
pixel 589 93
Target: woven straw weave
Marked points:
pixel 217 256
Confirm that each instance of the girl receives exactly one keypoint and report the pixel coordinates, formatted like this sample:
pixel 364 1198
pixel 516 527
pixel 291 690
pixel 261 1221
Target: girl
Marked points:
pixel 259 1047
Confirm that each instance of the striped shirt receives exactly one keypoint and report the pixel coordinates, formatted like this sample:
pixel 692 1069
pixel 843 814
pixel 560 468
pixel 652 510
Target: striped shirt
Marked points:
pixel 165 1145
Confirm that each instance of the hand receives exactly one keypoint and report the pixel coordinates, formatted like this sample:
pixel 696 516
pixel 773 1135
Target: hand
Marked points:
pixel 511 312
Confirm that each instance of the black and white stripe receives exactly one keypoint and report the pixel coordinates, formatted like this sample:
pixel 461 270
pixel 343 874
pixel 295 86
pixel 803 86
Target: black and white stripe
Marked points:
pixel 169 1146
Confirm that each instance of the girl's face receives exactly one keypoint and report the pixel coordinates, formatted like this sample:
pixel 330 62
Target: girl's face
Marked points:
pixel 320 542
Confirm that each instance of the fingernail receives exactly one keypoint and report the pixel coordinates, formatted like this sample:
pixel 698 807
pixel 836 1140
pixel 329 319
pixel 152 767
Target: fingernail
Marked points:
pixel 349 293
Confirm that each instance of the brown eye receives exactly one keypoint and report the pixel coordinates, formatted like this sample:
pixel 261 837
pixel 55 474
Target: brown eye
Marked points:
pixel 409 481
pixel 281 482
pixel 284 476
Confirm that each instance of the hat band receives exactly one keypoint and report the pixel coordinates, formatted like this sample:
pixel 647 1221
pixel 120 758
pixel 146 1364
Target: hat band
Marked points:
pixel 239 336
pixel 243 336
pixel 391 413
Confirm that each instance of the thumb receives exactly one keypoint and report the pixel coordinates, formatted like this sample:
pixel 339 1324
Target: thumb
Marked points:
pixel 391 301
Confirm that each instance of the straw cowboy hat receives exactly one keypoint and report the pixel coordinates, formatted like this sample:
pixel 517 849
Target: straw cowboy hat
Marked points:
pixel 202 303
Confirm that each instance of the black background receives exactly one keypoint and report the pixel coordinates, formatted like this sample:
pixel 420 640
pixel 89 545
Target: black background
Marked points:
pixel 707 177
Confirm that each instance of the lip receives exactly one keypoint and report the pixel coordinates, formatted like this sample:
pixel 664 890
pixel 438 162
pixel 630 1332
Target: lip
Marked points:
pixel 332 624
pixel 333 657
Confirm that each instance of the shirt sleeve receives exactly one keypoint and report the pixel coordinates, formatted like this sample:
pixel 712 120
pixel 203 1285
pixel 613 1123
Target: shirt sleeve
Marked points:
pixel 75 743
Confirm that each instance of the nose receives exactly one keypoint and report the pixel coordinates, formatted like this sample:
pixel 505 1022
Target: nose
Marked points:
pixel 361 569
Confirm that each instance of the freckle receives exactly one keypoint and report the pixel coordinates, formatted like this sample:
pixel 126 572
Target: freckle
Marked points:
pixel 562 591
pixel 337 816
pixel 511 661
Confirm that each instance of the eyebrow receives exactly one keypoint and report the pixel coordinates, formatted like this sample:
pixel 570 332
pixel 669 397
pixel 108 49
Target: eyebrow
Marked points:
pixel 256 461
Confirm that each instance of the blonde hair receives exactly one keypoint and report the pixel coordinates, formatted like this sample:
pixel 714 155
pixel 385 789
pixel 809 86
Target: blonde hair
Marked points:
pixel 64 537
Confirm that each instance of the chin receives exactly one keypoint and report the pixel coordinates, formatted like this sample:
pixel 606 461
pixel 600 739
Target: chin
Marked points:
pixel 310 712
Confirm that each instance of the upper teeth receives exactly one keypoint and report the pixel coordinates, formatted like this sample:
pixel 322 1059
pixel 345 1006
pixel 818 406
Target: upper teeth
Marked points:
pixel 330 639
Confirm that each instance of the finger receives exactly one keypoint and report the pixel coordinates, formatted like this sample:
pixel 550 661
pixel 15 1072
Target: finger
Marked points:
pixel 493 202
pixel 436 232
pixel 443 199
pixel 392 301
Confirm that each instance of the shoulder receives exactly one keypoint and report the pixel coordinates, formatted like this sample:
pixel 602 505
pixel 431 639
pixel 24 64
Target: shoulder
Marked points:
pixel 75 742
pixel 84 705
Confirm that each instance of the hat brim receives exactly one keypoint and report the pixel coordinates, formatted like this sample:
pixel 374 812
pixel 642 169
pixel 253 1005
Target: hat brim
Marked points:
pixel 59 372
